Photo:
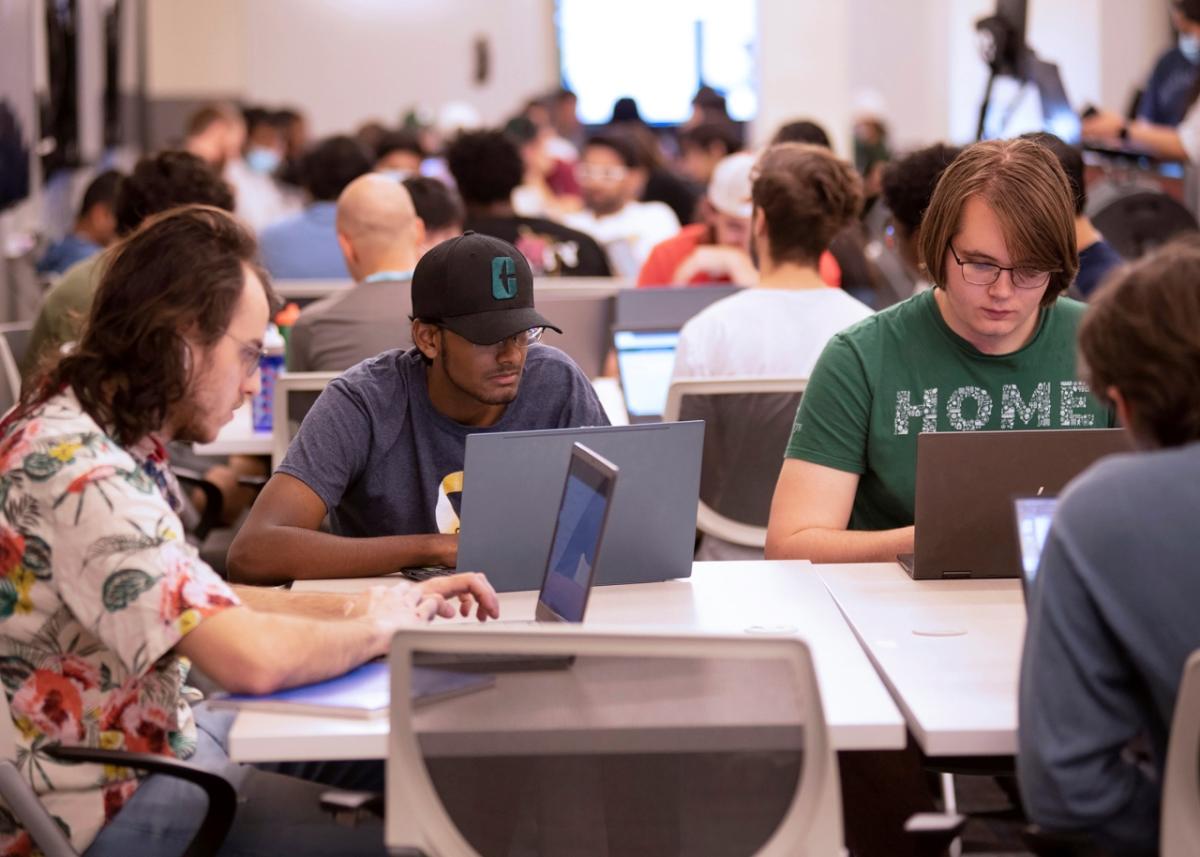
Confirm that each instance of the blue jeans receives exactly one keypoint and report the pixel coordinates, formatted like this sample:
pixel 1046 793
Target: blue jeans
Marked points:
pixel 278 810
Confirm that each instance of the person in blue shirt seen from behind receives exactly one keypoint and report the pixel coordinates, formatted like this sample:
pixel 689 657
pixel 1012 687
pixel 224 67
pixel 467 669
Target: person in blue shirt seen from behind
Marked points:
pixel 1168 92
pixel 305 246
pixel 1112 613
pixel 95 227
pixel 1096 256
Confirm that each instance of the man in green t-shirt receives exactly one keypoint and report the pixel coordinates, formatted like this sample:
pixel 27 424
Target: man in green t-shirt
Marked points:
pixel 990 347
pixel 158 182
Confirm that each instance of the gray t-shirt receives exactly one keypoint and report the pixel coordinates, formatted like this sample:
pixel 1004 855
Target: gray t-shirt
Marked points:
pixel 385 462
pixel 352 325
pixel 1112 619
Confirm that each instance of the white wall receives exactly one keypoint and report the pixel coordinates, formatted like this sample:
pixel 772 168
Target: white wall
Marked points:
pixel 922 58
pixel 349 61
pixel 352 60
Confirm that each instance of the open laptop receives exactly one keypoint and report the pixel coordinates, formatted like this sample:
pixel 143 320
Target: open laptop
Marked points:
pixel 1034 515
pixel 508 512
pixel 568 570
pixel 965 485
pixel 645 333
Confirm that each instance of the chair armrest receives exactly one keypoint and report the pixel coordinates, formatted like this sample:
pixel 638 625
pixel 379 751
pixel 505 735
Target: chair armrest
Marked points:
pixel 222 797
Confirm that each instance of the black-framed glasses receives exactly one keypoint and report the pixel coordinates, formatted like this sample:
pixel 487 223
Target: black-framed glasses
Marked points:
pixel 250 354
pixel 987 273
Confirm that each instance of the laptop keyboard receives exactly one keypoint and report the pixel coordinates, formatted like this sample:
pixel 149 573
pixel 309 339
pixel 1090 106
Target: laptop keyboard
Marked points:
pixel 426 572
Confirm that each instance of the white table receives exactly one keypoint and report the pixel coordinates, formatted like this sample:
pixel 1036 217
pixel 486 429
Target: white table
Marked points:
pixel 719 597
pixel 238 437
pixel 948 650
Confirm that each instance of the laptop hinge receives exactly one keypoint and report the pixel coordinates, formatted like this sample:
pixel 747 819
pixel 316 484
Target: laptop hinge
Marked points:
pixel 956 575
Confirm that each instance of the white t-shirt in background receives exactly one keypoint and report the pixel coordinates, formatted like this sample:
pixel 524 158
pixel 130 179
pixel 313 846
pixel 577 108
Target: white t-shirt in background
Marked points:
pixel 629 235
pixel 764 333
pixel 761 333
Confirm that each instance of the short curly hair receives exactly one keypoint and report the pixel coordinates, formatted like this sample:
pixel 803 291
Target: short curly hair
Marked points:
pixel 807 195
pixel 909 182
pixel 332 164
pixel 1141 336
pixel 486 166
pixel 164 181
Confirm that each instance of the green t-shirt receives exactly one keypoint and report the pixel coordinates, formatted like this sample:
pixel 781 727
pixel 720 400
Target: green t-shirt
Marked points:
pixel 903 371
pixel 64 308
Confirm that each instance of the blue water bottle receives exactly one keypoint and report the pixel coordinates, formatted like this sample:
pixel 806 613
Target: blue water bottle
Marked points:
pixel 272 365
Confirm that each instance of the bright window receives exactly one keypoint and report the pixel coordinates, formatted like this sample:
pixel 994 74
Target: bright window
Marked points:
pixel 657 52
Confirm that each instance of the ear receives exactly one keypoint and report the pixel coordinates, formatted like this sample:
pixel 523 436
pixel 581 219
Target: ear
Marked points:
pixel 1122 406
pixel 425 337
pixel 758 223
pixel 347 250
pixel 418 232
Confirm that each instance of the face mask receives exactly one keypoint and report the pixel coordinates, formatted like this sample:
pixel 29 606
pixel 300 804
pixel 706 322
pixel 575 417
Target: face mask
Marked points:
pixel 1189 46
pixel 264 161
pixel 395 175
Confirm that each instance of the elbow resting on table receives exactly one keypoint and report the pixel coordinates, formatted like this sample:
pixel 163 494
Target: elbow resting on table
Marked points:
pixel 250 560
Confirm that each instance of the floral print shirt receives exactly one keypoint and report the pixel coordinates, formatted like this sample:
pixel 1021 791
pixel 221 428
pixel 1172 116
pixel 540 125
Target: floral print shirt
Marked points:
pixel 97 585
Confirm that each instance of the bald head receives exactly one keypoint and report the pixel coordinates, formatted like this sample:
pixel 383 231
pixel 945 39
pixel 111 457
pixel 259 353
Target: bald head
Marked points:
pixel 377 226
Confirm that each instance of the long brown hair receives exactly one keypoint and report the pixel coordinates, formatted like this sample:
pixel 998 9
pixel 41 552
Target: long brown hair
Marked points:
pixel 1027 189
pixel 182 272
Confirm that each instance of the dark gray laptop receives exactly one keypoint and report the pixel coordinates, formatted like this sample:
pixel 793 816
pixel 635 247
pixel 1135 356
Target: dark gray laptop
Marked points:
pixel 511 485
pixel 965 485
pixel 568 570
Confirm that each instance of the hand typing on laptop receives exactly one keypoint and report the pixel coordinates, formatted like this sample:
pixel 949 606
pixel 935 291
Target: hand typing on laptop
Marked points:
pixel 429 598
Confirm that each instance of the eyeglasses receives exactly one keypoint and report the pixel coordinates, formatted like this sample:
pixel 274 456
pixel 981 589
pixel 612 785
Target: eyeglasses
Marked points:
pixel 591 172
pixel 250 355
pixel 986 273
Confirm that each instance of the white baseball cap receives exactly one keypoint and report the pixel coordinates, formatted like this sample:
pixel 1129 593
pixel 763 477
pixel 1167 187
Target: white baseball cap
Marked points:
pixel 729 188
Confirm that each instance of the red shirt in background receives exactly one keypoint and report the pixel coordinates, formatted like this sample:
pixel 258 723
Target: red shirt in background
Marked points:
pixel 666 257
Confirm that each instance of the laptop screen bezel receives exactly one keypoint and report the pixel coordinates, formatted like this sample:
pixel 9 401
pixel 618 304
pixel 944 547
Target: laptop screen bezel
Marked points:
pixel 582 458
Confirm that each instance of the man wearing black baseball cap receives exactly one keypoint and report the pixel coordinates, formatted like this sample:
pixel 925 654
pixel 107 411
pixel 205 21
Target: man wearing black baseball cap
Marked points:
pixel 381 452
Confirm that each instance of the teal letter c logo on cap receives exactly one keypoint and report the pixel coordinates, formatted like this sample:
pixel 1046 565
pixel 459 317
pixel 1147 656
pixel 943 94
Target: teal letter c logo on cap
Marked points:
pixel 504 278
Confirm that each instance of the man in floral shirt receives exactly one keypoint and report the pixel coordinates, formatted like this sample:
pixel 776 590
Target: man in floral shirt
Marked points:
pixel 104 605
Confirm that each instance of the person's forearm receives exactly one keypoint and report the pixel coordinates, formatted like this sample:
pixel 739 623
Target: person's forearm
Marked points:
pixel 314 605
pixel 265 652
pixel 819 544
pixel 1159 140
pixel 277 554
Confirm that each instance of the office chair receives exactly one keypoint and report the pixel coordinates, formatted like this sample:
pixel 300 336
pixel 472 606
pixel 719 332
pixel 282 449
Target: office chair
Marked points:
pixel 1180 832
pixel 748 422
pixel 14 340
pixel 417 822
pixel 19 795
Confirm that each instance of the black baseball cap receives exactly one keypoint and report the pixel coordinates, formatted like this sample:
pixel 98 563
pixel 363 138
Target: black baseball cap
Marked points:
pixel 478 286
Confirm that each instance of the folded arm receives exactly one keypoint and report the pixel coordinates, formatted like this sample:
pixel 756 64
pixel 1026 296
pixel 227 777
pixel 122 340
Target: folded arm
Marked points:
pixel 281 541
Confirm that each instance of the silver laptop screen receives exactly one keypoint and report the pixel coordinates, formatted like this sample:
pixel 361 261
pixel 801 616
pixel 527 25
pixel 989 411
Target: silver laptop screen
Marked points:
pixel 1034 515
pixel 645 360
pixel 576 541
